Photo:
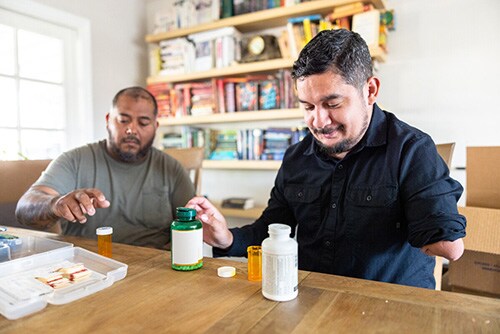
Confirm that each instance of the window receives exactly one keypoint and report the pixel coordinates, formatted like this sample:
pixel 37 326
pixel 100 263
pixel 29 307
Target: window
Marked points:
pixel 43 107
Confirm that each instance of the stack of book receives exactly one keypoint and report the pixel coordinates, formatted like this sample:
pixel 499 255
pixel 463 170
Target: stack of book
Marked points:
pixel 177 56
pixel 161 91
pixel 216 48
pixel 226 146
pixel 238 203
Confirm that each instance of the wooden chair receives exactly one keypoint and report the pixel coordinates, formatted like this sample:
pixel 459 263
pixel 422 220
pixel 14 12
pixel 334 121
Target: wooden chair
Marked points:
pixel 16 177
pixel 191 159
pixel 446 152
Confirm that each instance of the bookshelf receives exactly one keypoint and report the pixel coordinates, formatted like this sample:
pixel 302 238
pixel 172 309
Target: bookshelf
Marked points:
pixel 252 213
pixel 270 18
pixel 236 117
pixel 239 69
pixel 242 164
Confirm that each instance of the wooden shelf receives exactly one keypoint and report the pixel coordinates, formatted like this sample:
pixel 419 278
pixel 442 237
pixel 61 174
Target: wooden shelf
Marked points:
pixel 264 19
pixel 239 116
pixel 237 69
pixel 252 213
pixel 242 164
pixel 241 69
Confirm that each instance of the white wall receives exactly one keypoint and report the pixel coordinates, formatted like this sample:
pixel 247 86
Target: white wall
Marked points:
pixel 442 72
pixel 119 56
pixel 443 68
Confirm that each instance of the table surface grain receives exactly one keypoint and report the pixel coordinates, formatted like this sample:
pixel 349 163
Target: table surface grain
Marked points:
pixel 153 298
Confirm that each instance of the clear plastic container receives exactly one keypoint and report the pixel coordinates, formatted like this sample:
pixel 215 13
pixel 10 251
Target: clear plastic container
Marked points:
pixel 22 294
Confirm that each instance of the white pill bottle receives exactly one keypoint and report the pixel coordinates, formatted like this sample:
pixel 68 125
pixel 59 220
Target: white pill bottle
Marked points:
pixel 280 273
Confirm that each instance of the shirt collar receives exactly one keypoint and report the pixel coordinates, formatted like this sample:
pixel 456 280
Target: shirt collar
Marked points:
pixel 376 134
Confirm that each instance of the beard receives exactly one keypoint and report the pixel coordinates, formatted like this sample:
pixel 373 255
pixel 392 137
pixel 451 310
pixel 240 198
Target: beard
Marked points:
pixel 127 156
pixel 345 145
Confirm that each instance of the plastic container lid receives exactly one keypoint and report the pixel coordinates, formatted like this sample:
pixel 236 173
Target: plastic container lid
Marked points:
pixel 226 271
pixel 104 230
pixel 185 213
pixel 280 229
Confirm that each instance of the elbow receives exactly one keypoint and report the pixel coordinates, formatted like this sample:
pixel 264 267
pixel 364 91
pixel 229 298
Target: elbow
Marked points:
pixel 19 213
pixel 456 250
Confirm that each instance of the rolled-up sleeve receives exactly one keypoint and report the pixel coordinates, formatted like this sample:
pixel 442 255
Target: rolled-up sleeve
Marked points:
pixel 429 195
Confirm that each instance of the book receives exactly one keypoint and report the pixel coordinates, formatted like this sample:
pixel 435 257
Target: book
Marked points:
pixel 238 203
pixel 367 25
pixel 346 10
pixel 269 95
pixel 247 96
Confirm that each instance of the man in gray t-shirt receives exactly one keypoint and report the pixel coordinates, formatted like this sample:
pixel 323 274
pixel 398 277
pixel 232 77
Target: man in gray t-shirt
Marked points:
pixel 122 182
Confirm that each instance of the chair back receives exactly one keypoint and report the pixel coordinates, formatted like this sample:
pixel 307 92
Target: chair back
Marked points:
pixel 191 159
pixel 446 152
pixel 16 177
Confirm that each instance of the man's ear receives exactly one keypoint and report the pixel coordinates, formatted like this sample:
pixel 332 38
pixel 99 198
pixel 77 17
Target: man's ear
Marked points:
pixel 107 118
pixel 373 88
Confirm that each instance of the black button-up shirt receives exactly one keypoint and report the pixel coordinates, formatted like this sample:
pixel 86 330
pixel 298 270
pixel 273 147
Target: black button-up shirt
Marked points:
pixel 367 215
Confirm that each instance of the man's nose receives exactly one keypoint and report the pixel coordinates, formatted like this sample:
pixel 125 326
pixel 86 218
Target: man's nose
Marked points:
pixel 131 129
pixel 320 118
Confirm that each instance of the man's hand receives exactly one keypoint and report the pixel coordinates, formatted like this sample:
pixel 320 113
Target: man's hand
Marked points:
pixel 42 207
pixel 215 231
pixel 74 206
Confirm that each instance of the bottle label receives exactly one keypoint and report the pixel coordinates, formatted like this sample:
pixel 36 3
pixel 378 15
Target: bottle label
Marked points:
pixel 279 274
pixel 187 247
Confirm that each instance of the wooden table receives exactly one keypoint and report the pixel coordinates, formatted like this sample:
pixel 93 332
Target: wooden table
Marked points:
pixel 153 298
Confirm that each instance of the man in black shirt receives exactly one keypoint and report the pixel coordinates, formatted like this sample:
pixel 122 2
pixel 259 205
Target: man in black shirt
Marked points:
pixel 369 194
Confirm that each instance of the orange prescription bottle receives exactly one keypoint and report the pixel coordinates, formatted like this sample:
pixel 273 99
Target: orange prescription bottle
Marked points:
pixel 254 263
pixel 104 243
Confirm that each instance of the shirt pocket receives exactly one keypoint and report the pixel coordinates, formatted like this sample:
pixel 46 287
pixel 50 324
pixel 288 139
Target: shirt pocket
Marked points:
pixel 304 201
pixel 373 213
pixel 156 207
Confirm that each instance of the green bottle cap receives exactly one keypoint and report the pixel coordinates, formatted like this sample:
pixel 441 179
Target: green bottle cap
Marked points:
pixel 185 213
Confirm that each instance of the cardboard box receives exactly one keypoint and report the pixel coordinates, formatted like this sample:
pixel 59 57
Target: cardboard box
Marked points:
pixel 483 177
pixel 478 270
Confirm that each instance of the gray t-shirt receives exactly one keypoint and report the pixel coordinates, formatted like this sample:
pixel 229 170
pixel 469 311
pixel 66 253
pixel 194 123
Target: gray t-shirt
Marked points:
pixel 143 195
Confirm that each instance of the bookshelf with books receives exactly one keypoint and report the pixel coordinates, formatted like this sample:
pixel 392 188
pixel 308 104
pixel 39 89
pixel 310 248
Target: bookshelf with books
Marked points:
pixel 267 114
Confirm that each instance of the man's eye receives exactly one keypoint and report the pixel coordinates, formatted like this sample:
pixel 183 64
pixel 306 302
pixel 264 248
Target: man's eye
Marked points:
pixel 308 108
pixel 145 123
pixel 332 106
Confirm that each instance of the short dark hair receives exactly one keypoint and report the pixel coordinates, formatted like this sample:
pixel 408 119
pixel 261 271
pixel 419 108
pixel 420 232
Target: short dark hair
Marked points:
pixel 137 92
pixel 342 51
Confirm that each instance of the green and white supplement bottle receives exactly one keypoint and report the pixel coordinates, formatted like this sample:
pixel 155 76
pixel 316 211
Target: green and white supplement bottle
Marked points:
pixel 187 240
pixel 280 272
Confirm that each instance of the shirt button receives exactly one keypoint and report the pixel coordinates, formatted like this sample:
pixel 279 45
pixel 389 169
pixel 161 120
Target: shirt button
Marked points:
pixel 341 166
pixel 300 194
pixel 334 206
pixel 328 243
pixel 369 198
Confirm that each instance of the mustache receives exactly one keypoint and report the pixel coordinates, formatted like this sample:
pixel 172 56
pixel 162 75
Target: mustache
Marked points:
pixel 131 139
pixel 328 130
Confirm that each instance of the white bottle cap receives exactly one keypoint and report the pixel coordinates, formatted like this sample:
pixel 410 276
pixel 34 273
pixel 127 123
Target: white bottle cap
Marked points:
pixel 226 271
pixel 104 230
pixel 280 229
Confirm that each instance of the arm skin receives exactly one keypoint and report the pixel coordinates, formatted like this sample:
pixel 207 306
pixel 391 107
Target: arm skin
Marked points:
pixel 451 250
pixel 41 207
